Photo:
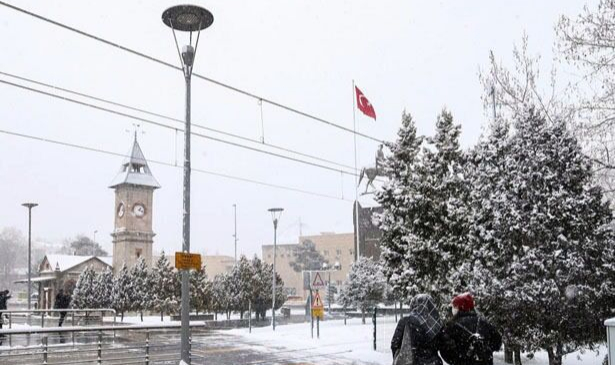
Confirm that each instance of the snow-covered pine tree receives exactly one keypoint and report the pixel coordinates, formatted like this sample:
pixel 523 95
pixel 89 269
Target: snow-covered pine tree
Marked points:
pixel 219 296
pixel 163 284
pixel 242 282
pixel 402 168
pixel 122 288
pixel 425 214
pixel 84 295
pixel 140 294
pixel 560 280
pixel 364 287
pixel 261 288
pixel 200 290
pixel 103 288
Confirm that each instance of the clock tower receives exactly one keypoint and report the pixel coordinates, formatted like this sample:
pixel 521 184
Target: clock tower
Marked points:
pixel 134 186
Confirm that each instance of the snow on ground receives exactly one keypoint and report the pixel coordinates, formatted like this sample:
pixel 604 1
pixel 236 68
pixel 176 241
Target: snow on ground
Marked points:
pixel 355 341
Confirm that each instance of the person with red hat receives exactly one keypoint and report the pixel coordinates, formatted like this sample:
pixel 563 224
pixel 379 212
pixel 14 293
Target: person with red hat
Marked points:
pixel 468 338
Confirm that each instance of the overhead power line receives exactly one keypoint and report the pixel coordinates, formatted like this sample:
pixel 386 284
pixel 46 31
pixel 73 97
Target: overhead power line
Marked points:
pixel 162 125
pixel 208 172
pixel 140 110
pixel 167 64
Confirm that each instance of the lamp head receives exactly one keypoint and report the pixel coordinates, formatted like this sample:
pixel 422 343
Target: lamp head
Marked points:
pixel 187 18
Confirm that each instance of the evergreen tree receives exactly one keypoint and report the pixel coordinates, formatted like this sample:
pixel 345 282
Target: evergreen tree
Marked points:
pixel 262 288
pixel 200 290
pixel 220 297
pixel 364 287
pixel 402 167
pixel 122 288
pixel 308 257
pixel 163 284
pixel 140 294
pixel 103 288
pixel 425 209
pixel 84 295
pixel 560 277
pixel 241 285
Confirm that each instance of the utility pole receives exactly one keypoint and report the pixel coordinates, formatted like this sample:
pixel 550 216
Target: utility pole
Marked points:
pixel 29 206
pixel 235 234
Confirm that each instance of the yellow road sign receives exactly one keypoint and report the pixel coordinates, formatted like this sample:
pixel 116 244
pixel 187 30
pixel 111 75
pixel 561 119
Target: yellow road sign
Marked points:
pixel 187 261
pixel 317 301
pixel 318 312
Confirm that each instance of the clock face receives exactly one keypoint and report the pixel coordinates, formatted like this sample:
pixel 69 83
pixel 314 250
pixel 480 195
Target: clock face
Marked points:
pixel 120 210
pixel 138 210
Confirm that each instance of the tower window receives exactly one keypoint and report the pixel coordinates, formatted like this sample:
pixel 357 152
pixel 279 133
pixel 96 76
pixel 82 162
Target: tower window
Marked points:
pixel 138 252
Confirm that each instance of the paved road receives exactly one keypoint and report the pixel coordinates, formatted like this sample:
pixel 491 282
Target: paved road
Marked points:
pixel 209 347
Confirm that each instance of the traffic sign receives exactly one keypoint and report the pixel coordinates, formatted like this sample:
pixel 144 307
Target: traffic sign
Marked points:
pixel 187 261
pixel 318 283
pixel 318 309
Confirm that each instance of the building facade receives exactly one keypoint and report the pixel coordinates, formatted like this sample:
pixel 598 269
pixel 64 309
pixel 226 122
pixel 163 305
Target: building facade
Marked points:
pixel 134 186
pixel 57 272
pixel 334 248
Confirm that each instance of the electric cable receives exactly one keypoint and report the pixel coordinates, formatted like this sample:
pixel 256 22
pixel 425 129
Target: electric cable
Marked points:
pixel 163 163
pixel 155 114
pixel 162 125
pixel 202 77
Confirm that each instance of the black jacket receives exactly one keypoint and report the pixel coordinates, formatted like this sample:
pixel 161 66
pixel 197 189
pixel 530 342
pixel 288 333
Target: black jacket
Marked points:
pixel 424 350
pixel 4 297
pixel 62 301
pixel 455 340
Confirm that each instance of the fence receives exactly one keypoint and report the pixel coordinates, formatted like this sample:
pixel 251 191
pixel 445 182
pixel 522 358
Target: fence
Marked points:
pixel 38 315
pixel 133 344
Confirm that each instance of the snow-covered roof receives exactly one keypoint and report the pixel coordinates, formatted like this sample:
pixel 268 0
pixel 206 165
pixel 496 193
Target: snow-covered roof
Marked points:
pixel 66 262
pixel 134 170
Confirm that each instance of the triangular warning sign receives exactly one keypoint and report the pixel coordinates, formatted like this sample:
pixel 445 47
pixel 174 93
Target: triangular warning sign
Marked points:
pixel 318 282
pixel 317 301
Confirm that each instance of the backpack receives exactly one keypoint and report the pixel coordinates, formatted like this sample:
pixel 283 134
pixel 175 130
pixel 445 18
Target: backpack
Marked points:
pixel 478 350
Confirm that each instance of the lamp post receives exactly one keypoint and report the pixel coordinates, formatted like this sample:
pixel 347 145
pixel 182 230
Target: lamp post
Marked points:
pixel 29 206
pixel 186 18
pixel 235 234
pixel 94 245
pixel 275 215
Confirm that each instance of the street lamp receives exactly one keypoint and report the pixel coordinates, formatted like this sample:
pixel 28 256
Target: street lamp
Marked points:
pixel 29 206
pixel 276 213
pixel 186 18
pixel 94 245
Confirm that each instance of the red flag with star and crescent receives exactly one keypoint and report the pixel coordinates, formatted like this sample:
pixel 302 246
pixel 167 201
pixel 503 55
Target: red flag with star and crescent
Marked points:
pixel 364 105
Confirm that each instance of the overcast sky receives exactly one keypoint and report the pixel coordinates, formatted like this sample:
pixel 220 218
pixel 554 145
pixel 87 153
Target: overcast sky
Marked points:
pixel 413 55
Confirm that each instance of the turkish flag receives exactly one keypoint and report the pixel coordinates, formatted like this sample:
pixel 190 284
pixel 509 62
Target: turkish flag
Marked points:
pixel 364 105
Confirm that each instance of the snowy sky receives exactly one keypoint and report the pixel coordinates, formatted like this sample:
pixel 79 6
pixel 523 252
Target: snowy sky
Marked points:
pixel 413 55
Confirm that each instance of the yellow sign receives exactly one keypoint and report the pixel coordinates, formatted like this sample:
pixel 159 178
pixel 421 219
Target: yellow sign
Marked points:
pixel 187 261
pixel 318 309
pixel 318 312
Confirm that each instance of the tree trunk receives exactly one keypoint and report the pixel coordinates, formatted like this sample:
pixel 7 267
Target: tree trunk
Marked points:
pixel 240 314
pixel 508 354
pixel 122 316
pixel 363 315
pixel 517 352
pixel 141 313
pixel 161 317
pixel 216 316
pixel 555 357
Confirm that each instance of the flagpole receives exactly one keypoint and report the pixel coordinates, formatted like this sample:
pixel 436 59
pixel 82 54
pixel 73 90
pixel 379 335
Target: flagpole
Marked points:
pixel 356 173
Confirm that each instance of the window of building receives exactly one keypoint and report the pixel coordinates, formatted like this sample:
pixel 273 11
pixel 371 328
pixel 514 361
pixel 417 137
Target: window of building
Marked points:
pixel 338 252
pixel 139 252
pixel 350 251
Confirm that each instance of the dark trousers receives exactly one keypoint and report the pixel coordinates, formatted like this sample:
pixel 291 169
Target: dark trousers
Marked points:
pixel 62 316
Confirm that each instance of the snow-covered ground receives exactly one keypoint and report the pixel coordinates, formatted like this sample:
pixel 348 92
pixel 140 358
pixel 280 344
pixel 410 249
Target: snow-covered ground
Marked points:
pixel 355 341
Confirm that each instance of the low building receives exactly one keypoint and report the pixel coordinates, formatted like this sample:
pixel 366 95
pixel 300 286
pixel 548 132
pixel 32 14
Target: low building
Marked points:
pixel 334 248
pixel 57 271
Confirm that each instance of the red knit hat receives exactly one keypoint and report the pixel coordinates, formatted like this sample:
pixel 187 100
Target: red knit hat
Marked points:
pixel 464 302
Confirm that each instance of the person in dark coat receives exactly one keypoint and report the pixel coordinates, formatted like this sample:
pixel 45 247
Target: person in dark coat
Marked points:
pixel 424 326
pixel 62 302
pixel 4 297
pixel 468 334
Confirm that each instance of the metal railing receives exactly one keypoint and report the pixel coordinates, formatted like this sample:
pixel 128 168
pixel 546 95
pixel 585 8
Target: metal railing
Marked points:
pixel 135 344
pixel 42 313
